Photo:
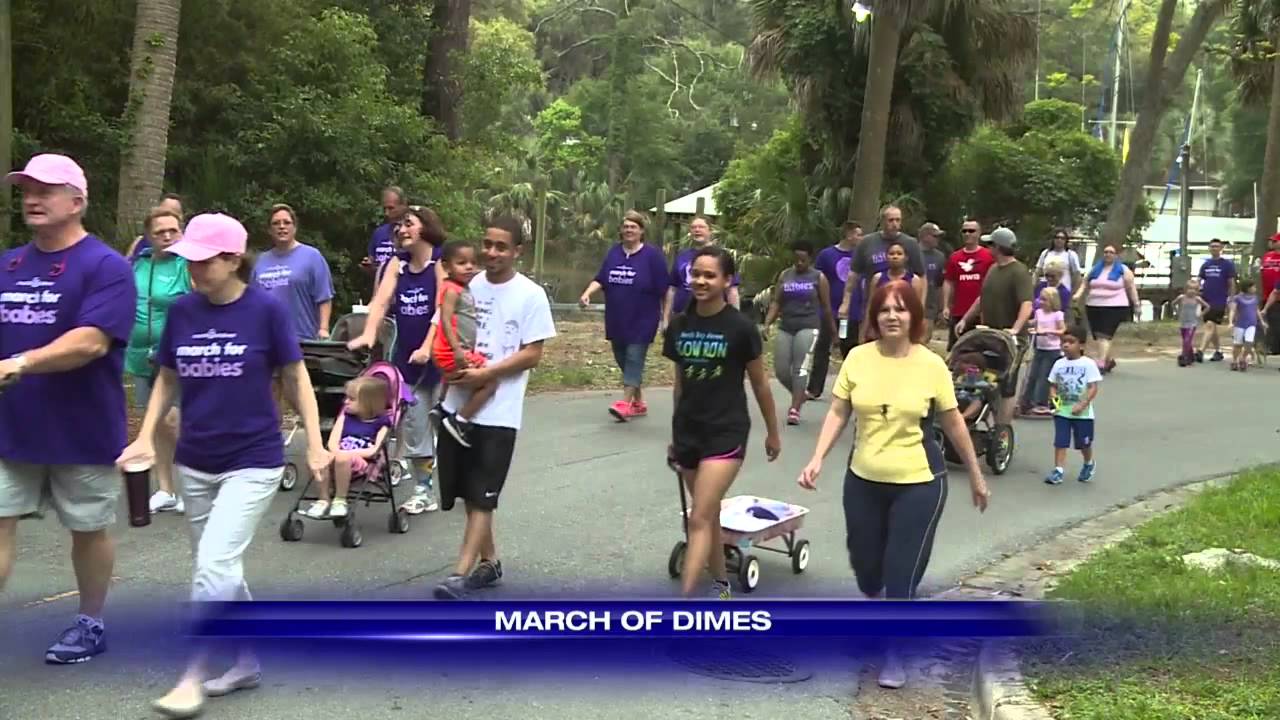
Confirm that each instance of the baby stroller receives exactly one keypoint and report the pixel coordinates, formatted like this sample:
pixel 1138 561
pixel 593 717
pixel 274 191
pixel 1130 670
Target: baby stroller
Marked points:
pixel 978 390
pixel 330 365
pixel 374 485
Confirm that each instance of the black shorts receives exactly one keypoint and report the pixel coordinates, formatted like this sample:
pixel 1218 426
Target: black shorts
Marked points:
pixel 1215 314
pixel 690 448
pixel 475 474
pixel 1273 336
pixel 1105 321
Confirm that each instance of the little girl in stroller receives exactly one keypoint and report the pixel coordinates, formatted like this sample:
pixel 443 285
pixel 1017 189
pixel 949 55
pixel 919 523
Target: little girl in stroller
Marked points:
pixel 356 439
pixel 972 380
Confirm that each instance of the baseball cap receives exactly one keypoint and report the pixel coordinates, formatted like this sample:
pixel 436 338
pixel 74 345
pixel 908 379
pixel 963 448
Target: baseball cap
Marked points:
pixel 930 229
pixel 1275 238
pixel 1004 238
pixel 51 169
pixel 211 234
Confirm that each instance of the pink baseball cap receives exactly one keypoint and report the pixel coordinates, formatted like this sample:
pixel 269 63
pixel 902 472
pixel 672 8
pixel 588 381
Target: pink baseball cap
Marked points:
pixel 209 235
pixel 52 170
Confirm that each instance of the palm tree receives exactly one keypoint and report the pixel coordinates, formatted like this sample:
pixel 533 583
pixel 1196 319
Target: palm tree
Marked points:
pixel 1256 66
pixel 146 117
pixel 871 94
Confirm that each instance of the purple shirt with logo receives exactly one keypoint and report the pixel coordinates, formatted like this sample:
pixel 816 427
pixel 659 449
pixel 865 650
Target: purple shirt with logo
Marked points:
pixel 360 434
pixel 225 356
pixel 1246 311
pixel 1215 277
pixel 414 306
pixel 76 417
pixel 382 244
pixel 836 264
pixel 633 289
pixel 680 278
pixel 300 280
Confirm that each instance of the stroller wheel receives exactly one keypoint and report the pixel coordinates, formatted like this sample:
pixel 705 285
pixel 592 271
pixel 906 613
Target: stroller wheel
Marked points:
pixel 398 524
pixel 291 529
pixel 1000 449
pixel 289 480
pixel 351 537
pixel 675 563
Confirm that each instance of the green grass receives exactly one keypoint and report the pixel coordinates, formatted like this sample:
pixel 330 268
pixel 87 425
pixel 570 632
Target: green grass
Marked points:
pixel 1167 642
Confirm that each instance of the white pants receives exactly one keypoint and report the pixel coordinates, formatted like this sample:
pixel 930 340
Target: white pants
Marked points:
pixel 1243 336
pixel 224 511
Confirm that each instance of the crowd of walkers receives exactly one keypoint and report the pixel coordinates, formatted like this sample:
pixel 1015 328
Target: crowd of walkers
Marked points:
pixel 210 334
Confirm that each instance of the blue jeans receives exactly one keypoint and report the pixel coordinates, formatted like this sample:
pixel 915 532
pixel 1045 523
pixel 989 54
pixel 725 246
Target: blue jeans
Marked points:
pixel 630 358
pixel 1037 391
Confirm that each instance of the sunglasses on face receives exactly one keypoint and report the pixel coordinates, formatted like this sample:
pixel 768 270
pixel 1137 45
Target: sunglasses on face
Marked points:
pixel 969 232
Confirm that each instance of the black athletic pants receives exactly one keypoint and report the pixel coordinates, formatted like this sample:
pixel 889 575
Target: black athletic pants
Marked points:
pixel 890 530
pixel 822 356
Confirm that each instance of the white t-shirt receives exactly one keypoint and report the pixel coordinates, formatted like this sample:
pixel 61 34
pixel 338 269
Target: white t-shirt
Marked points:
pixel 508 316
pixel 1067 259
pixel 1073 378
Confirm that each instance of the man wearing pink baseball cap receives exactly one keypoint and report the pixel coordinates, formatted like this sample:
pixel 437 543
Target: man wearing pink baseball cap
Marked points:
pixel 66 310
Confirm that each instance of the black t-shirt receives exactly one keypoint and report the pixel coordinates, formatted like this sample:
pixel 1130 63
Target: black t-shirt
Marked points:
pixel 711 354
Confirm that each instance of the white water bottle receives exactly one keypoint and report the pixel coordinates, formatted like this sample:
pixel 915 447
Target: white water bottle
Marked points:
pixel 844 328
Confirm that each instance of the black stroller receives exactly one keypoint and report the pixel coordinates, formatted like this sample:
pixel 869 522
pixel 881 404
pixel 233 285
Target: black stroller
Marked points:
pixel 1002 355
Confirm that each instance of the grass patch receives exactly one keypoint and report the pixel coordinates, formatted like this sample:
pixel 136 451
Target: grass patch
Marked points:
pixel 1164 641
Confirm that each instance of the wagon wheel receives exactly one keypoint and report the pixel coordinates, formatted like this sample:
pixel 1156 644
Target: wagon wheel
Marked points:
pixel 749 574
pixel 800 557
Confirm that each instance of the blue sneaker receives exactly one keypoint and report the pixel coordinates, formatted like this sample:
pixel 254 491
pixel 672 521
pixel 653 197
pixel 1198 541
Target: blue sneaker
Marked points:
pixel 1086 472
pixel 78 643
pixel 1054 477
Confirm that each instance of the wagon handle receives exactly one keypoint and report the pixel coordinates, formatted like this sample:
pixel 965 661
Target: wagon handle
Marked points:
pixel 684 505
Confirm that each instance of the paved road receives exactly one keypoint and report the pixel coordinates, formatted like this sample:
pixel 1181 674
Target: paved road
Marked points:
pixel 591 508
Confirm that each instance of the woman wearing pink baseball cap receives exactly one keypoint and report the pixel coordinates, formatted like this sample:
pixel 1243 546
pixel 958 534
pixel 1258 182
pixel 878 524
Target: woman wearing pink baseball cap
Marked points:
pixel 221 346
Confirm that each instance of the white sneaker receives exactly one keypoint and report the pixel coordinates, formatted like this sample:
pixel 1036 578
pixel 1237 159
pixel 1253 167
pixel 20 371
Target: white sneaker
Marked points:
pixel 893 674
pixel 181 507
pixel 162 501
pixel 338 509
pixel 318 510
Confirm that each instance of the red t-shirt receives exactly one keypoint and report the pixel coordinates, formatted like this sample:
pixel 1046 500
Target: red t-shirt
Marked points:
pixel 966 271
pixel 1270 274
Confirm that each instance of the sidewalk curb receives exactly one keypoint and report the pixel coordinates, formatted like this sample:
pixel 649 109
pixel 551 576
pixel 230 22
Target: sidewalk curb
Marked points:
pixel 1000 691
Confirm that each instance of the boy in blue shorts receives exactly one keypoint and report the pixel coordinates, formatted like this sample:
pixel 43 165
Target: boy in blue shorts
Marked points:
pixel 1073 386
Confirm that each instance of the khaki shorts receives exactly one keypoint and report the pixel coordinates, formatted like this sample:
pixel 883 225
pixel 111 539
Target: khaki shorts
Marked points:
pixel 84 496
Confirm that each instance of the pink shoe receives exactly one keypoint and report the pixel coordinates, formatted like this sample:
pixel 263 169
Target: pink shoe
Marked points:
pixel 639 409
pixel 621 410
pixel 793 417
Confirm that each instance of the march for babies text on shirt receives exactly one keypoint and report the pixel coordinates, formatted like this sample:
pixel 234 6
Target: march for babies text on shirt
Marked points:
pixel 1071 379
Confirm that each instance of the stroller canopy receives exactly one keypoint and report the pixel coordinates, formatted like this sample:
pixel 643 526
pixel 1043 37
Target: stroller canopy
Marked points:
pixel 998 347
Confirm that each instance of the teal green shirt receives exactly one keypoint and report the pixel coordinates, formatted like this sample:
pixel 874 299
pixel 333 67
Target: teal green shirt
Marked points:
pixel 159 283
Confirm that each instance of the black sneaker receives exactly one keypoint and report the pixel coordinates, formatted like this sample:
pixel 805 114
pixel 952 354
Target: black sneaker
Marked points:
pixel 487 573
pixel 458 429
pixel 78 643
pixel 1217 357
pixel 1199 356
pixel 454 587
pixel 436 415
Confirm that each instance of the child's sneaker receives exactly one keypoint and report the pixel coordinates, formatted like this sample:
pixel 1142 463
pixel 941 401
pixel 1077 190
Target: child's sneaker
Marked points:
pixel 319 509
pixel 458 429
pixel 1086 473
pixel 639 409
pixel 1217 357
pixel 622 410
pixel 1199 356
pixel 720 590
pixel 338 509
pixel 1055 477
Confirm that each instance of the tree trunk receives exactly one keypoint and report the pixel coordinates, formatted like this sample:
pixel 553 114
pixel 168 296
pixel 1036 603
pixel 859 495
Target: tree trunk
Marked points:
pixel 442 88
pixel 868 175
pixel 1269 193
pixel 146 117
pixel 1160 80
pixel 6 113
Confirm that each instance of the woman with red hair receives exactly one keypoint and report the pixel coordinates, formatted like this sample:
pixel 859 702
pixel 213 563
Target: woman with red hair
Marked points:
pixel 896 483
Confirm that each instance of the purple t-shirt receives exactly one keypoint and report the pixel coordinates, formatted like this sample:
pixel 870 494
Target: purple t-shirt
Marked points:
pixel 680 279
pixel 836 264
pixel 75 417
pixel 634 286
pixel 300 280
pixel 382 244
pixel 1246 311
pixel 225 356
pixel 360 434
pixel 414 306
pixel 1064 296
pixel 1215 276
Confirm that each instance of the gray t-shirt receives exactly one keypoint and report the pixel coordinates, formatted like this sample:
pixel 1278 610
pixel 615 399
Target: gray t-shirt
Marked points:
pixel 870 258
pixel 464 313
pixel 1189 313
pixel 799 300
pixel 935 263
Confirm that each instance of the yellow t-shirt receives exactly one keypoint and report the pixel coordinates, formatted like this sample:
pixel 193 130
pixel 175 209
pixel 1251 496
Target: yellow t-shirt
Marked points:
pixel 894 400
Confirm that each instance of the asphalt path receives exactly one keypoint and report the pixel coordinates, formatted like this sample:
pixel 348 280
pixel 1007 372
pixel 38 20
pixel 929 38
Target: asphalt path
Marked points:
pixel 590 508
